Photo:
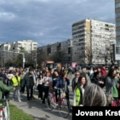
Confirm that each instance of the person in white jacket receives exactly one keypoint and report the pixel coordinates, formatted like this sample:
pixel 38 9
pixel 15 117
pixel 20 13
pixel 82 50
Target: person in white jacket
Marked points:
pixel 40 86
pixel 46 81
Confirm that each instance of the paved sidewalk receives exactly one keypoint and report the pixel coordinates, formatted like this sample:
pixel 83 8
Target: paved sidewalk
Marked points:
pixel 38 110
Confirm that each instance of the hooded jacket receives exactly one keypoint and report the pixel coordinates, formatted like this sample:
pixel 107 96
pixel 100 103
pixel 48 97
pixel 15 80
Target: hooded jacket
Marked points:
pixel 4 88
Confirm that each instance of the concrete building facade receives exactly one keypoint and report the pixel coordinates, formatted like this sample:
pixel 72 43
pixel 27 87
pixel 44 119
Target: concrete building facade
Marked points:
pixel 5 55
pixel 117 11
pixel 10 51
pixel 92 41
pixel 26 45
pixel 64 47
pixel 5 47
pixel 117 16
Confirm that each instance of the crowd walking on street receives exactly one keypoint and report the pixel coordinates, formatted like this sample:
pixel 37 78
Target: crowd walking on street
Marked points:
pixel 63 87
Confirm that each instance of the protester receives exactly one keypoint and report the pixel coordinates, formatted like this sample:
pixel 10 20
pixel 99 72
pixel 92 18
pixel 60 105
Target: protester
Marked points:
pixel 46 82
pixel 29 83
pixel 40 86
pixel 4 87
pixel 75 80
pixel 16 80
pixel 94 96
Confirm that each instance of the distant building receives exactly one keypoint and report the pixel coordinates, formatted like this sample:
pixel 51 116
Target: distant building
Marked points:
pixel 24 45
pixel 6 46
pixel 117 11
pixel 92 41
pixel 10 51
pixel 64 47
pixel 5 55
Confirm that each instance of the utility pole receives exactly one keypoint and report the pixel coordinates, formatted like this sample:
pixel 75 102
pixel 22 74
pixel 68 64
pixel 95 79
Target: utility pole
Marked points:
pixel 23 55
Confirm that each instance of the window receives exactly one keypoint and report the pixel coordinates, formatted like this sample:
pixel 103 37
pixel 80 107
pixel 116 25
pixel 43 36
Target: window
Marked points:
pixel 107 29
pixel 78 23
pixel 106 25
pixel 69 50
pixel 77 32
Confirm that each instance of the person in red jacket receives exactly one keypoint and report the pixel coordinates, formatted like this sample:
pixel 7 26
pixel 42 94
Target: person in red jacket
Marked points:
pixel 103 72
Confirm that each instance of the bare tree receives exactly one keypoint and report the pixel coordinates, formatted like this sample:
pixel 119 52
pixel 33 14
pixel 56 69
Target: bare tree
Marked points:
pixel 59 56
pixel 42 57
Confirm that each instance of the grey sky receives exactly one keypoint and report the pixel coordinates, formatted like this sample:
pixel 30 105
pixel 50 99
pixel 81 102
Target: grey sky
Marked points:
pixel 48 21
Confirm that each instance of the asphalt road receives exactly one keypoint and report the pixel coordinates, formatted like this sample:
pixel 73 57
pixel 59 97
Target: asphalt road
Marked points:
pixel 38 110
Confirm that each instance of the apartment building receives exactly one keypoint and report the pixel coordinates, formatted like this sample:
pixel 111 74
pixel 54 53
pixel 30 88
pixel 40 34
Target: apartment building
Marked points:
pixel 5 55
pixel 64 47
pixel 117 16
pixel 117 10
pixel 92 41
pixel 25 45
pixel 10 51
pixel 5 47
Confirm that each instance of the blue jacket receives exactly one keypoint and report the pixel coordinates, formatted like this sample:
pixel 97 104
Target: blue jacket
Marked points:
pixel 60 83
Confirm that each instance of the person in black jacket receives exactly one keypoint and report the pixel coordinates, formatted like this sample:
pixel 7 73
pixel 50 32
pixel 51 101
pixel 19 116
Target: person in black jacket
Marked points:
pixel 29 83
pixel 75 80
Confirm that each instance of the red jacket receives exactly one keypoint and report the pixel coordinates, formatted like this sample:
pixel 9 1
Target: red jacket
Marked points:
pixel 103 72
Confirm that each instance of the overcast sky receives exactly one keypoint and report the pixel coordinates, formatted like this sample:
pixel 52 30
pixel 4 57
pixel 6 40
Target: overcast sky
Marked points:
pixel 48 21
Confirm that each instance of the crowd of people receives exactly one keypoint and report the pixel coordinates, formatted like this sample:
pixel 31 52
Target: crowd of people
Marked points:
pixel 91 86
